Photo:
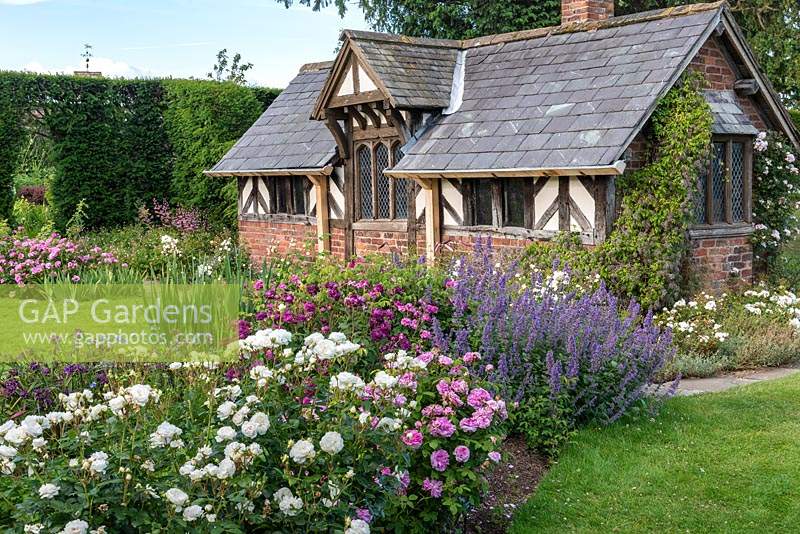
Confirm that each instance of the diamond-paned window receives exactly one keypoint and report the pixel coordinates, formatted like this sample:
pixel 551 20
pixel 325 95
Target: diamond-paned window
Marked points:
pixel 737 182
pixel 725 184
pixel 400 187
pixel 365 180
pixel 382 181
pixel 718 173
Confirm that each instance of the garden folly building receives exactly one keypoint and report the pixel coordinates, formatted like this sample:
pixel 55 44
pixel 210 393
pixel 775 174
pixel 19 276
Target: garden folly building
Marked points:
pixel 408 143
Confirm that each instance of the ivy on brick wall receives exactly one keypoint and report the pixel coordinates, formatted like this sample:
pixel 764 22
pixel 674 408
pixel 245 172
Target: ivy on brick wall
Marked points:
pixel 776 196
pixel 118 143
pixel 644 254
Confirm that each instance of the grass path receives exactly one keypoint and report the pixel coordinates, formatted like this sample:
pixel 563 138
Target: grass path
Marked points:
pixel 727 462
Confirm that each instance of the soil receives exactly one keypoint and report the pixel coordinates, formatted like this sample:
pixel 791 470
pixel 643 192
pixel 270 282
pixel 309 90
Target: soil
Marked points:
pixel 511 483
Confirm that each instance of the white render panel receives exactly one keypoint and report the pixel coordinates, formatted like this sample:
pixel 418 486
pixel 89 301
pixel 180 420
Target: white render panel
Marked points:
pixel 247 189
pixel 264 190
pixel 420 201
pixel 336 195
pixel 544 199
pixel 582 198
pixel 346 88
pixel 365 83
pixel 312 198
pixel 453 197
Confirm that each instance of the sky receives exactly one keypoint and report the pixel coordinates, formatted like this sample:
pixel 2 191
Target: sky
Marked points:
pixel 179 38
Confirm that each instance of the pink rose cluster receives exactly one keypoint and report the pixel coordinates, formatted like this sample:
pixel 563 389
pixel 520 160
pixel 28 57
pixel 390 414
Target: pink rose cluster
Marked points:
pixel 30 260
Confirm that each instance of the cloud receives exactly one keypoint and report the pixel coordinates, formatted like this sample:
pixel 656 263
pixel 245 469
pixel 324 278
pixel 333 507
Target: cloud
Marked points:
pixel 107 66
pixel 20 2
pixel 167 46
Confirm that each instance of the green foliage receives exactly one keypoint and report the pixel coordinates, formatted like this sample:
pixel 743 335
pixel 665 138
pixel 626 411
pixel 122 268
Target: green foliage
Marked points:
pixel 265 95
pixel 233 70
pixel 203 120
pixel 34 219
pixel 12 136
pixel 795 113
pixel 643 255
pixel 118 143
pixel 776 190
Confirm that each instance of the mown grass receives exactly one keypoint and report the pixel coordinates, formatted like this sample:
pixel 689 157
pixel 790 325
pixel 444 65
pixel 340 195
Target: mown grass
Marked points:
pixel 727 462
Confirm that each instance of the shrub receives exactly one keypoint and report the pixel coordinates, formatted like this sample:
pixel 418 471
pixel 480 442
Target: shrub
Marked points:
pixel 753 328
pixel 382 305
pixel 533 331
pixel 33 220
pixel 203 120
pixel 299 439
pixel 776 190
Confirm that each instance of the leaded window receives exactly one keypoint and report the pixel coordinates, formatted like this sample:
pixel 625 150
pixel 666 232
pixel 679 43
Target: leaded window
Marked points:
pixel 288 194
pixel 497 202
pixel 723 191
pixel 380 197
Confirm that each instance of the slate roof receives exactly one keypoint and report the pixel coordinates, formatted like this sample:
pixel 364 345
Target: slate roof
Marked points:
pixel 561 99
pixel 729 119
pixel 284 137
pixel 417 73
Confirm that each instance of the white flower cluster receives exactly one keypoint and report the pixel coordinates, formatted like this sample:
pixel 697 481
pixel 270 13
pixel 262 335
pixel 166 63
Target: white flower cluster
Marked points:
pixel 287 503
pixel 318 347
pixel 266 339
pixel 345 381
pixel 166 434
pixel 169 245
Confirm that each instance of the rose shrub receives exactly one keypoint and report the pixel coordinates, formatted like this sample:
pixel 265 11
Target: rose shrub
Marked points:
pixel 300 439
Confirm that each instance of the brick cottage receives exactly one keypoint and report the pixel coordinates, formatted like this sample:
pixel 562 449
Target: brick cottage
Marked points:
pixel 408 144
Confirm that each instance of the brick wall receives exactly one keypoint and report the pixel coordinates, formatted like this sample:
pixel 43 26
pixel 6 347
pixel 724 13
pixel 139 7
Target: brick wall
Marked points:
pixel 337 243
pixel 268 239
pixel 714 65
pixel 719 261
pixel 463 243
pixel 379 242
pixel 585 10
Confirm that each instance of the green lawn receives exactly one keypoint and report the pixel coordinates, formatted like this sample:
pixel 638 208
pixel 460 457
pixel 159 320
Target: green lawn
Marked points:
pixel 728 462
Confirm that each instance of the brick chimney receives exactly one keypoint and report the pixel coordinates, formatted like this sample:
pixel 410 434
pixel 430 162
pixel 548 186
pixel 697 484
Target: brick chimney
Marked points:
pixel 586 10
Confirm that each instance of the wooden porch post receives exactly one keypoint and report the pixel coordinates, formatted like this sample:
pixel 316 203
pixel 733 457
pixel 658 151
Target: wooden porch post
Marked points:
pixel 323 224
pixel 433 234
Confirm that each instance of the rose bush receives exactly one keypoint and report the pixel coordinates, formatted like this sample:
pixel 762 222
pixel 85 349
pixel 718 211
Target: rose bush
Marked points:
pixel 301 438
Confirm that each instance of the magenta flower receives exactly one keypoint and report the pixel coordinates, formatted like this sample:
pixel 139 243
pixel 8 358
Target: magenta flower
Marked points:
pixel 468 424
pixel 440 459
pixel 461 453
pixel 441 427
pixel 434 487
pixel 478 397
pixel 494 456
pixel 412 438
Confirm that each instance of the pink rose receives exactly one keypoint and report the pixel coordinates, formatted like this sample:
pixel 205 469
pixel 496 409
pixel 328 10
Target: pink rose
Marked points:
pixel 461 453
pixel 412 438
pixel 440 459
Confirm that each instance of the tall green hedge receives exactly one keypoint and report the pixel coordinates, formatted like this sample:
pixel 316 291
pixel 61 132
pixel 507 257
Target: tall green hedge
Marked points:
pixel 203 120
pixel 119 143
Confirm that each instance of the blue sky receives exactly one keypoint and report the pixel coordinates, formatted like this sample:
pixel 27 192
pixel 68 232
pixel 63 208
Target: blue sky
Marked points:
pixel 167 37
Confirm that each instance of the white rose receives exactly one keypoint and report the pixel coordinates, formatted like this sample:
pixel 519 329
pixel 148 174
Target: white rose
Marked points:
pixel 225 410
pixel 140 393
pixel 249 429
pixel 7 451
pixel 48 491
pixel 384 380
pixel 176 496
pixel 16 436
pixel 290 505
pixel 331 442
pixel 76 526
pixel 33 425
pixel 226 469
pixel 302 451
pixel 193 512
pixel 261 422
pixel 346 381
pixel 358 526
pixel 116 405
pixel 225 433
pixel 98 462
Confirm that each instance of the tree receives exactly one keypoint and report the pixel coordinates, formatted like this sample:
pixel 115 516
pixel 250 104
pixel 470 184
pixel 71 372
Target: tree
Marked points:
pixel 772 27
pixel 235 72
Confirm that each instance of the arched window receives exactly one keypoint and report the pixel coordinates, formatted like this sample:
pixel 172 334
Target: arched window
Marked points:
pixel 365 180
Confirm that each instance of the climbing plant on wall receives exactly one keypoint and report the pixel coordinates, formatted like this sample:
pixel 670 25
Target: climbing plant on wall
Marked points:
pixel 776 195
pixel 643 255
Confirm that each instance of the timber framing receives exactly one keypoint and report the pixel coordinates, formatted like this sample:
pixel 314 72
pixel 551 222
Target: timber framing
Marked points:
pixel 319 171
pixel 424 176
